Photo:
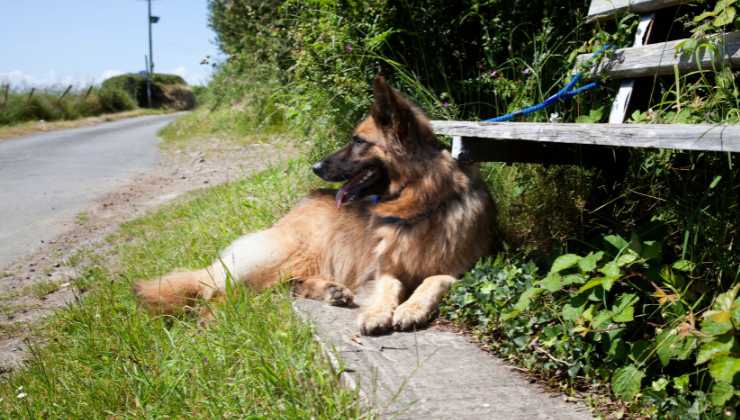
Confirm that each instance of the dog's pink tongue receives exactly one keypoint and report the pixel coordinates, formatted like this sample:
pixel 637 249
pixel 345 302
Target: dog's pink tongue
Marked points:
pixel 342 195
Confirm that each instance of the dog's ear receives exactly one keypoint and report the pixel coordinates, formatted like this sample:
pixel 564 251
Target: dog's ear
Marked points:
pixel 384 104
pixel 391 111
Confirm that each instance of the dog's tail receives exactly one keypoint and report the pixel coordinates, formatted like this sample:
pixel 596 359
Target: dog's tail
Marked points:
pixel 175 291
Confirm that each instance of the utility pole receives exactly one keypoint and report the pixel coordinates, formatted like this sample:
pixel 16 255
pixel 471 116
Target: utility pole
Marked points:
pixel 150 67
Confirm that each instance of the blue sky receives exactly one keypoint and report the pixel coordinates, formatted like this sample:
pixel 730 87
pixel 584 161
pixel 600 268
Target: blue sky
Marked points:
pixel 55 42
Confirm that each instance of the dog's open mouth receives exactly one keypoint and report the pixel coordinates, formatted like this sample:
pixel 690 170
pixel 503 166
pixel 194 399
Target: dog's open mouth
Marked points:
pixel 357 186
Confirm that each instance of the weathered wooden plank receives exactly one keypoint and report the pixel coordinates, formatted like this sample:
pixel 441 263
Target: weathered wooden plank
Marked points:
pixel 600 9
pixel 717 138
pixel 622 100
pixel 659 59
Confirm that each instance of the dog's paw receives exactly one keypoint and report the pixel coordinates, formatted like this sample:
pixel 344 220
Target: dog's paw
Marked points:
pixel 375 321
pixel 339 295
pixel 410 316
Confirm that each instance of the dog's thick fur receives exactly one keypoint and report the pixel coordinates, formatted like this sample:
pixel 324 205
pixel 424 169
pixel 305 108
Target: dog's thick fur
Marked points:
pixel 410 218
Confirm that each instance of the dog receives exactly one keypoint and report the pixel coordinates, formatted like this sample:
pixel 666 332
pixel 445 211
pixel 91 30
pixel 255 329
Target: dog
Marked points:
pixel 407 222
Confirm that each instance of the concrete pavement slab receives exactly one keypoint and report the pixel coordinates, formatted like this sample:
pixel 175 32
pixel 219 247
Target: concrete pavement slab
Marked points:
pixel 431 374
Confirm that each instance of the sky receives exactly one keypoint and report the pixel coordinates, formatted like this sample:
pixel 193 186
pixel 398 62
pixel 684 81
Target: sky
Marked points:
pixel 55 42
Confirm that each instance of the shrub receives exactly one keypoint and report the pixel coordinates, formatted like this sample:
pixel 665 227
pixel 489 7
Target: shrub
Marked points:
pixel 115 100
pixel 135 85
pixel 39 107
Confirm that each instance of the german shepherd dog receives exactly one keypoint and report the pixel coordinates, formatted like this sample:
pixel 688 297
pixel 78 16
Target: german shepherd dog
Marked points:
pixel 407 222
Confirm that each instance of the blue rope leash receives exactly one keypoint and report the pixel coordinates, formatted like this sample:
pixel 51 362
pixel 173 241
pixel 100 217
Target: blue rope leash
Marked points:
pixel 565 93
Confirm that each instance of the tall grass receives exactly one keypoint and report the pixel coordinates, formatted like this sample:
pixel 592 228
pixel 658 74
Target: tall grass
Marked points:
pixel 53 104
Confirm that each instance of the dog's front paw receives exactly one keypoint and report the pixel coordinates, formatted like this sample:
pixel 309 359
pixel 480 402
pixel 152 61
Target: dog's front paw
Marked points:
pixel 410 315
pixel 339 295
pixel 375 321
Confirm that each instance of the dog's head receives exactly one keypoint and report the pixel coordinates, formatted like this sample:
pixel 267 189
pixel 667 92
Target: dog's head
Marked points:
pixel 382 148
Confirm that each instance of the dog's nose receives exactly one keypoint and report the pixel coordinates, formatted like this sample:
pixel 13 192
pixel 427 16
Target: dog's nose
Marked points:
pixel 317 168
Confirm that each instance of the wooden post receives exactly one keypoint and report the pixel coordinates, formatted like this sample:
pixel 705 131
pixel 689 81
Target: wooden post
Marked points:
pixel 622 100
pixel 66 91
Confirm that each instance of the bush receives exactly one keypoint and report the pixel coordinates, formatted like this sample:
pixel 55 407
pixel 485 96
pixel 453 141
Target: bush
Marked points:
pixel 135 85
pixel 115 99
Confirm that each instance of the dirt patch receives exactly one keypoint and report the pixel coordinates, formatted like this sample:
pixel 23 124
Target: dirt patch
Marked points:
pixel 35 286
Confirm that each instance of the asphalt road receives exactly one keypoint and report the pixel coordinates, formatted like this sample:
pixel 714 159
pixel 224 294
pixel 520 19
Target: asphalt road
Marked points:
pixel 47 179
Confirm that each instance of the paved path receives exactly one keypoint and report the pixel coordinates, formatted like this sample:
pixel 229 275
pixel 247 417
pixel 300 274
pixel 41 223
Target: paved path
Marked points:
pixel 47 179
pixel 431 374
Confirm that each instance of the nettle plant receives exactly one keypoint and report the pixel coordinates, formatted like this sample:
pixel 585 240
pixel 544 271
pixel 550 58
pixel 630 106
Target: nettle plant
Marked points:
pixel 605 295
pixel 621 314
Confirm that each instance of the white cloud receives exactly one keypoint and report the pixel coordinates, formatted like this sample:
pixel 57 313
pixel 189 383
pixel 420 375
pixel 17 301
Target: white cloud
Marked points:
pixel 17 78
pixel 20 79
pixel 193 78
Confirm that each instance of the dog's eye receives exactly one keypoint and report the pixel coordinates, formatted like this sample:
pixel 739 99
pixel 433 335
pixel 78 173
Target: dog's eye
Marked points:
pixel 358 140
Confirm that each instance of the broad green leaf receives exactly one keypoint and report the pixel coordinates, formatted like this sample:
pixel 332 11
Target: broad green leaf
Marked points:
pixel 574 279
pixel 588 314
pixel 571 313
pixel 659 384
pixel 724 368
pixel 716 322
pixel 721 393
pixel 591 284
pixel 684 265
pixel 487 288
pixel 564 262
pixel 671 345
pixel 610 269
pixel 717 347
pixel 725 18
pixel 601 319
pixel 736 311
pixel 725 300
pixel 588 263
pixel 624 309
pixel 526 298
pixel 705 15
pixel 612 274
pixel 552 283
pixel 593 116
pixel 627 258
pixel 626 382
pixel 616 241
pixel 681 383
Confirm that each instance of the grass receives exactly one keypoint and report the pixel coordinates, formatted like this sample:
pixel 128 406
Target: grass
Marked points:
pixel 31 127
pixel 44 288
pixel 107 358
